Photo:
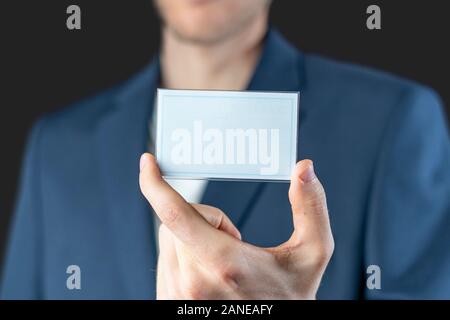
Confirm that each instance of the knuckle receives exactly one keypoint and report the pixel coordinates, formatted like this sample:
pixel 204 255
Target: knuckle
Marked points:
pixel 214 216
pixel 170 214
pixel 223 255
pixel 229 274
pixel 323 253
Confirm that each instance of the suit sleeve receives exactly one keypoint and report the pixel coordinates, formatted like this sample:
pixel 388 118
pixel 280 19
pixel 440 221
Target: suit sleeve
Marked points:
pixel 22 269
pixel 408 224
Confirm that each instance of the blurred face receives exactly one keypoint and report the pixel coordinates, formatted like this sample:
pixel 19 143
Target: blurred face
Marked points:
pixel 209 21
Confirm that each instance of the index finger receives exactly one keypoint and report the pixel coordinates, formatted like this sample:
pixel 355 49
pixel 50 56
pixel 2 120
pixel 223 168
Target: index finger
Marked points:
pixel 175 213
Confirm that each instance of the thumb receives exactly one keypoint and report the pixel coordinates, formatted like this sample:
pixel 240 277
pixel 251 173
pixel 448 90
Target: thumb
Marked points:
pixel 309 205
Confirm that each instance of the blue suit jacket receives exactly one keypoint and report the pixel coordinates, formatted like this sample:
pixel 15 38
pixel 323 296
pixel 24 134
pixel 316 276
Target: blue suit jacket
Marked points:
pixel 380 146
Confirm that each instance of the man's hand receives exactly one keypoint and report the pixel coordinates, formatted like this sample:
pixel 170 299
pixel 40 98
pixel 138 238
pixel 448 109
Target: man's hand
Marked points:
pixel 202 255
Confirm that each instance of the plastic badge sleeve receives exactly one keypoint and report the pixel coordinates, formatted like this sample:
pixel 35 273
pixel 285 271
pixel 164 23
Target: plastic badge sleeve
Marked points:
pixel 227 135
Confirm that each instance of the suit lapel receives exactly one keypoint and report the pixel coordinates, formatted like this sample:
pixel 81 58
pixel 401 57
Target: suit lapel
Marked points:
pixel 280 68
pixel 122 137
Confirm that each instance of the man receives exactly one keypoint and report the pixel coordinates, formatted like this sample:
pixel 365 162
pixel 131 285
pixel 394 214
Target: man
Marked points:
pixel 379 144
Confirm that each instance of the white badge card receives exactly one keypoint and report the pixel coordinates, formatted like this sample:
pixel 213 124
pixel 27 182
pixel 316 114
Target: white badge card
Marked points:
pixel 227 135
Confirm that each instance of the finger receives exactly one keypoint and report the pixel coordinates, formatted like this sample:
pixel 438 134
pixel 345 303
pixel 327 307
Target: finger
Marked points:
pixel 218 219
pixel 168 265
pixel 176 214
pixel 195 280
pixel 167 250
pixel 190 270
pixel 309 205
pixel 162 279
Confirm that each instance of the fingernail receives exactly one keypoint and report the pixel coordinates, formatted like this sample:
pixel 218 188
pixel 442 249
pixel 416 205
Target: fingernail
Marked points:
pixel 143 161
pixel 308 174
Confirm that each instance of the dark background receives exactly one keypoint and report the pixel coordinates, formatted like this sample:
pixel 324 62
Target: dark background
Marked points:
pixel 44 66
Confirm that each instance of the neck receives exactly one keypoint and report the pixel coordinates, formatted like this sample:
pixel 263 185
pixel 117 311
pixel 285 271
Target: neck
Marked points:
pixel 227 65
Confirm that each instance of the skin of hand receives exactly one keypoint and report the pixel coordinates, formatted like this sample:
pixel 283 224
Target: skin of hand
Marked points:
pixel 202 255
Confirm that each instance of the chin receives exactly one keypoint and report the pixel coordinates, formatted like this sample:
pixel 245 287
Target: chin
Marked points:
pixel 202 30
pixel 208 20
pixel 202 26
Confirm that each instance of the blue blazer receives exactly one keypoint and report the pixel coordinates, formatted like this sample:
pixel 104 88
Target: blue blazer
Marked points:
pixel 380 145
